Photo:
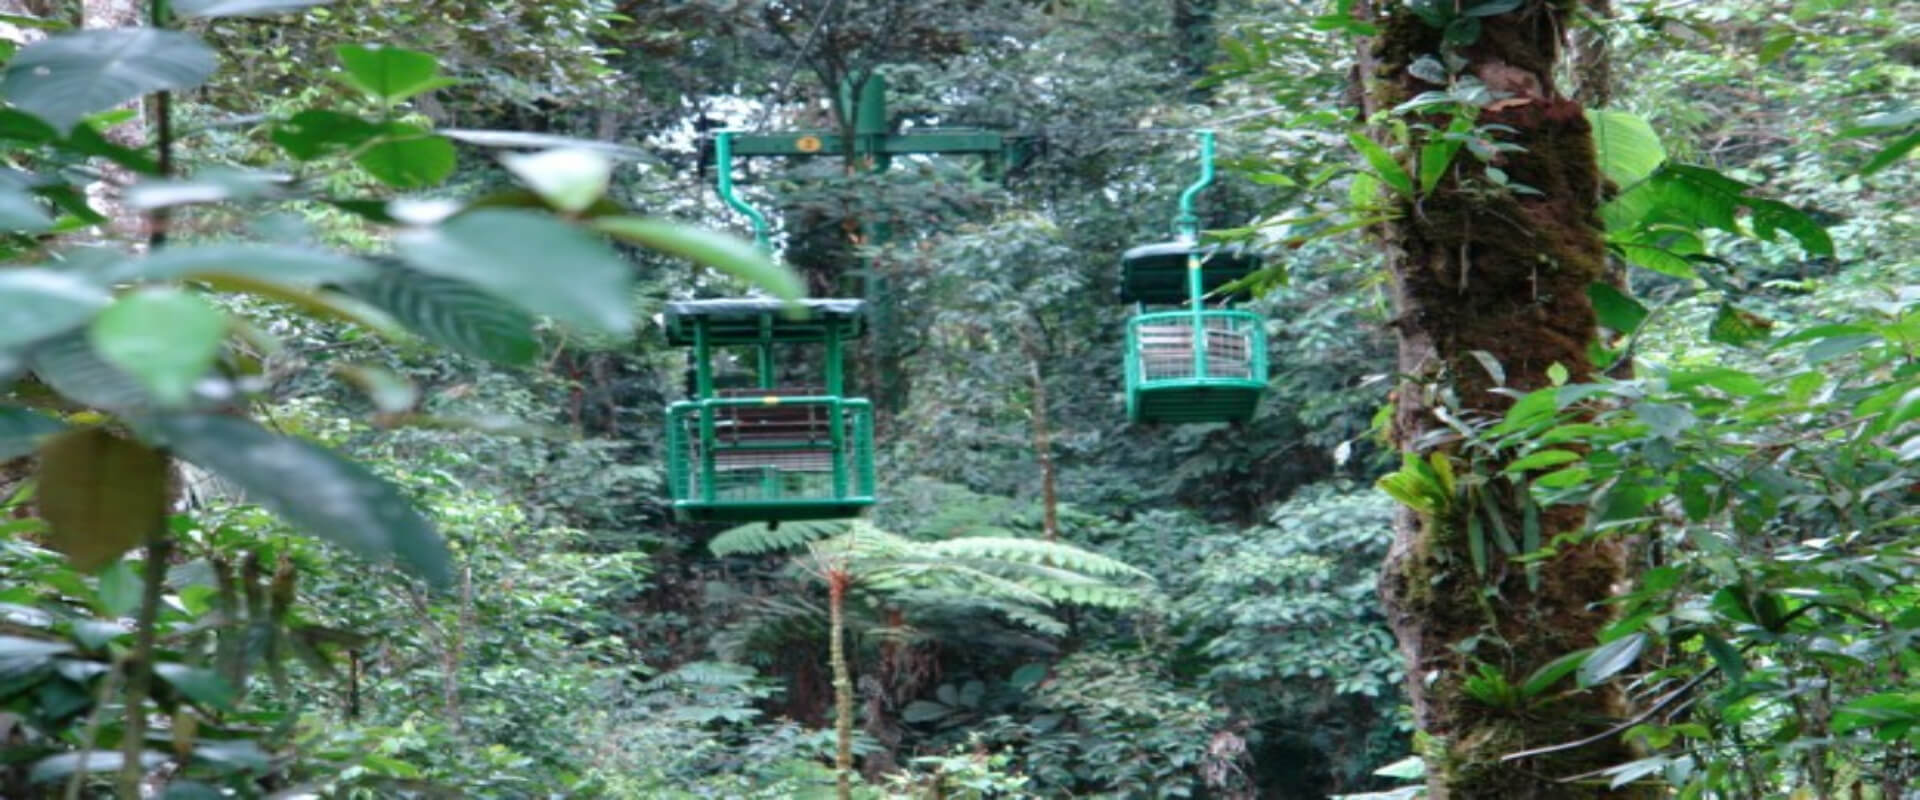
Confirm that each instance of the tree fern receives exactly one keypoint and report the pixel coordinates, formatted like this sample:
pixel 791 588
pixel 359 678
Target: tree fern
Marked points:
pixel 760 537
pixel 1035 551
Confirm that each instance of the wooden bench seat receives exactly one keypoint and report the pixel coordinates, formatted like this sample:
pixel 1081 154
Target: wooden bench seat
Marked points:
pixel 787 437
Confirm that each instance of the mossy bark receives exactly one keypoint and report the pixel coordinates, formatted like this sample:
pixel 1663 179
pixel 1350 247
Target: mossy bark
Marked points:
pixel 1478 267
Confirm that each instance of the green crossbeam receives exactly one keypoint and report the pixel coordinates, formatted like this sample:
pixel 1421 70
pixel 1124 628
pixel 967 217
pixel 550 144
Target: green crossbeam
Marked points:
pixel 822 143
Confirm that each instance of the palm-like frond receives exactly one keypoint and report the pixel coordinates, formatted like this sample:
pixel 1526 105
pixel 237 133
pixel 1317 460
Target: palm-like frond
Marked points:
pixel 760 537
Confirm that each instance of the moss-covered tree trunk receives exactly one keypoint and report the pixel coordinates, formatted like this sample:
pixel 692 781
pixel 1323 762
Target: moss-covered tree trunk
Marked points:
pixel 1480 267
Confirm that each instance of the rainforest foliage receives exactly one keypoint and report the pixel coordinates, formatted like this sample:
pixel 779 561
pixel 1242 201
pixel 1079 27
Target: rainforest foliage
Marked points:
pixel 333 390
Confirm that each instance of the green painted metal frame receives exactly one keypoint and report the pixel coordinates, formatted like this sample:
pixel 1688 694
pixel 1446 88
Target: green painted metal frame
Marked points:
pixel 694 477
pixel 694 472
pixel 1215 397
pixel 1199 395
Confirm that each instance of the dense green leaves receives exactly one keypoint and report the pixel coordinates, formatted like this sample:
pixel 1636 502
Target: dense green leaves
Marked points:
pixel 544 265
pixel 327 495
pixel 68 76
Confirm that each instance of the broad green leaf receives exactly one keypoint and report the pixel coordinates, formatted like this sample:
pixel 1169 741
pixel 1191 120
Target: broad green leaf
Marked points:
pixel 1551 672
pixel 329 496
pixel 1609 659
pixel 319 132
pixel 1626 146
pixel 100 494
pixel 68 76
pixel 522 139
pixel 390 393
pixel 21 431
pixel 1773 216
pixel 287 265
pixel 545 265
pixel 1726 656
pixel 241 8
pixel 1615 309
pixel 208 186
pixel 390 74
pixel 19 212
pixel 30 21
pixel 36 304
pixel 569 179
pixel 14 648
pixel 1384 166
pixel 56 768
pixel 920 711
pixel 1736 327
pixel 1891 154
pixel 167 338
pixel 722 252
pixel 1542 459
pixel 453 314
pixel 1488 8
pixel 203 686
pixel 69 365
pixel 20 126
pixel 408 157
pixel 1658 259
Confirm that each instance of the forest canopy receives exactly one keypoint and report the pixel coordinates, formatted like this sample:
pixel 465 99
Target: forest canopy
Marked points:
pixel 1374 399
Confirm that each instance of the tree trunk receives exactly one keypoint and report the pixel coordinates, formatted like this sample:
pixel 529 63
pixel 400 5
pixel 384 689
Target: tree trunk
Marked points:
pixel 837 580
pixel 1477 267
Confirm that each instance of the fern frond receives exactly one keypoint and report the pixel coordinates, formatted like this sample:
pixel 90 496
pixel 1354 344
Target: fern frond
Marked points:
pixel 760 537
pixel 1036 551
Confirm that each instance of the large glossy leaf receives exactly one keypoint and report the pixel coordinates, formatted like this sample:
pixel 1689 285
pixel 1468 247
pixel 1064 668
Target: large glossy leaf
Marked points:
pixel 208 186
pixel 1626 145
pixel 720 251
pixel 569 179
pixel 38 303
pixel 1384 166
pixel 390 74
pixel 1615 309
pixel 241 8
pixel 19 212
pixel 54 768
pixel 523 139
pixel 166 338
pixel 282 264
pixel 408 157
pixel 68 364
pixel 100 495
pixel 63 78
pixel 1609 659
pixel 544 265
pixel 313 488
pixel 21 431
pixel 318 132
pixel 453 314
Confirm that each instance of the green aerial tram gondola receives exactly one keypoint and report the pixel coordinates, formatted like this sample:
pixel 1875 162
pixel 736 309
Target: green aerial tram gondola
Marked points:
pixel 774 450
pixel 1196 364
